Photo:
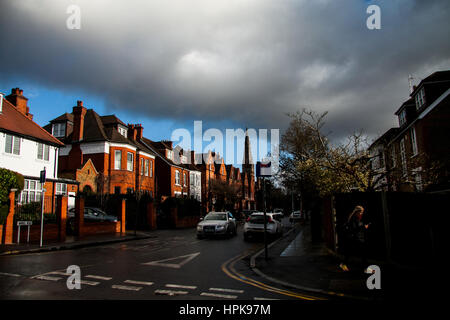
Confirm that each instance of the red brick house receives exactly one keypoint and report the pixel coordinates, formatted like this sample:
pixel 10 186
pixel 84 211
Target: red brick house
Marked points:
pixel 416 155
pixel 172 179
pixel 103 153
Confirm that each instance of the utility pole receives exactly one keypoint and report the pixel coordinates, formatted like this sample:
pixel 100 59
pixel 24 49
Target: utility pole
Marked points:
pixel 265 219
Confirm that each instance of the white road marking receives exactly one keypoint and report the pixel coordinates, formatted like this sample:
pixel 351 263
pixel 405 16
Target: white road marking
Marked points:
pixel 226 290
pixel 60 273
pixel 129 288
pixel 180 286
pixel 47 278
pixel 89 283
pixel 143 283
pixel 170 292
pixel 185 259
pixel 97 277
pixel 9 274
pixel 216 295
pixel 256 298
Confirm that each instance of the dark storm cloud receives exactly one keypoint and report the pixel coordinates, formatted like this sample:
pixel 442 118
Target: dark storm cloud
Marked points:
pixel 247 61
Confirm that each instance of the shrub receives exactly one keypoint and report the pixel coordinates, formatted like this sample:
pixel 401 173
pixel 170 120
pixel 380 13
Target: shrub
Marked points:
pixel 9 180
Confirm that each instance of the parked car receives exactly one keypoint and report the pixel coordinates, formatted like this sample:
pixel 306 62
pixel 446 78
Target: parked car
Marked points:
pixel 278 210
pixel 91 214
pixel 247 213
pixel 254 226
pixel 296 216
pixel 217 223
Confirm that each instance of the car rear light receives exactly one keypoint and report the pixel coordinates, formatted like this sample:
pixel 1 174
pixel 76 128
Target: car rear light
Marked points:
pixel 270 220
pixel 248 219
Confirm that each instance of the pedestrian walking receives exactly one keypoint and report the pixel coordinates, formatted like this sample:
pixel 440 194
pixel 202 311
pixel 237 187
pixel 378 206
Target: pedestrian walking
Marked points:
pixel 355 234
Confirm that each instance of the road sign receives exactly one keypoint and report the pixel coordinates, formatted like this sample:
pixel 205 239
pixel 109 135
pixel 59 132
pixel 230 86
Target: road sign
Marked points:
pixel 264 169
pixel 24 223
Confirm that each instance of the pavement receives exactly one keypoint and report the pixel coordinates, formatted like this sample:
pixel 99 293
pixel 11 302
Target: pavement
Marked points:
pixel 295 262
pixel 74 243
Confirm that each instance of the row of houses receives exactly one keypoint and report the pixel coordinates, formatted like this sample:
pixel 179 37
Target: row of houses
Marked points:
pixel 415 156
pixel 82 151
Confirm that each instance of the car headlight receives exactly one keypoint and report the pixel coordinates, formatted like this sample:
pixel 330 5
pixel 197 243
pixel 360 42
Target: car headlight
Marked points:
pixel 199 228
pixel 220 227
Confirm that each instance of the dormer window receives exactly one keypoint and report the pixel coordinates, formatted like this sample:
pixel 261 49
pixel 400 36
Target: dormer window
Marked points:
pixel 59 130
pixel 122 131
pixel 420 98
pixel 402 118
pixel 169 154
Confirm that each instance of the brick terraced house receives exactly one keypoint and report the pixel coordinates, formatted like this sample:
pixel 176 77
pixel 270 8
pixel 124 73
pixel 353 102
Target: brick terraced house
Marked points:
pixel 416 155
pixel 103 153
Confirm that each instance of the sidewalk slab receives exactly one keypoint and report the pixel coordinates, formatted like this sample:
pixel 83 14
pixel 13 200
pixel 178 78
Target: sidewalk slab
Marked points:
pixel 73 243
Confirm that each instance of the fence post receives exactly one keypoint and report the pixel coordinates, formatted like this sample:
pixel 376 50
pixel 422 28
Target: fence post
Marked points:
pixel 387 231
pixel 79 216
pixel 9 223
pixel 61 216
pixel 123 210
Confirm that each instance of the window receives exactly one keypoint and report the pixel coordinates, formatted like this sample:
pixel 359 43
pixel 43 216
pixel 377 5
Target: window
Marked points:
pixel 142 167
pixel 418 181
pixel 146 167
pixel 420 98
pixel 130 159
pixel 31 192
pixel 59 130
pixel 177 177
pixel 402 118
pixel 12 144
pixel 413 141
pixel 122 131
pixel 393 157
pixel 151 169
pixel 43 151
pixel 117 160
pixel 403 156
pixel 170 154
pixel 116 190
pixel 184 179
pixel 61 188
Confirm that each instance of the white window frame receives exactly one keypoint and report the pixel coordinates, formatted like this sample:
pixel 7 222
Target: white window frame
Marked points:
pixel 184 179
pixel 146 167
pixel 32 191
pixel 151 168
pixel 403 157
pixel 402 118
pixel 420 98
pixel 61 188
pixel 415 149
pixel 14 146
pixel 59 129
pixel 44 149
pixel 177 178
pixel 130 163
pixel 117 160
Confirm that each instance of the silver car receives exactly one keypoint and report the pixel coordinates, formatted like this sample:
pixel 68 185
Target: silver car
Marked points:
pixel 254 226
pixel 217 223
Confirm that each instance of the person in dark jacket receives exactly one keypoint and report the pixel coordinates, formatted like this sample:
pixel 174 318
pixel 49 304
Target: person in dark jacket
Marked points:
pixel 355 231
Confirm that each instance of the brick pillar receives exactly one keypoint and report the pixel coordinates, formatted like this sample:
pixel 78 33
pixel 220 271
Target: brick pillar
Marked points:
pixel 8 227
pixel 61 216
pixel 122 214
pixel 79 216
pixel 151 216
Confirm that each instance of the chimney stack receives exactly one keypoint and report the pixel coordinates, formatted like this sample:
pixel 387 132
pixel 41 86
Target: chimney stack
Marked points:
pixel 139 131
pixel 19 101
pixel 132 132
pixel 79 113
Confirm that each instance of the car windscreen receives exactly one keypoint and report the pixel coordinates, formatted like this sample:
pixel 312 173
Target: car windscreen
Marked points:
pixel 216 216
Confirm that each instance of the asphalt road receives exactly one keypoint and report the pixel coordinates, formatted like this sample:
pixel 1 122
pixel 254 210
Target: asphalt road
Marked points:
pixel 172 265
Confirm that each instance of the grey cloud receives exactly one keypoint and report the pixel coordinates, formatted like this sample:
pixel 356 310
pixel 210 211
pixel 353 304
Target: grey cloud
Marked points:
pixel 246 61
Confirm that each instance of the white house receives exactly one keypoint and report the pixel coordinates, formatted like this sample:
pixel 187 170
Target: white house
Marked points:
pixel 27 148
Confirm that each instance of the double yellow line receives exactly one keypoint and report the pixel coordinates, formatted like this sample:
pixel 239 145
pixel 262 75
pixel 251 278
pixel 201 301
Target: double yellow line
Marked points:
pixel 228 269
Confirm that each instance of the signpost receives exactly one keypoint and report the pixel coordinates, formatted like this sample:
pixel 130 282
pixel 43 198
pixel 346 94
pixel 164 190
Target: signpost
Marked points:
pixel 264 170
pixel 42 181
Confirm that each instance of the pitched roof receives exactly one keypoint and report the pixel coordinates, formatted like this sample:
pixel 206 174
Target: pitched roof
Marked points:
pixel 13 121
pixel 437 76
pixel 66 116
pixel 111 119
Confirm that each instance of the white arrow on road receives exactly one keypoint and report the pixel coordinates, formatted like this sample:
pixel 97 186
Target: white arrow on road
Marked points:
pixel 184 259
